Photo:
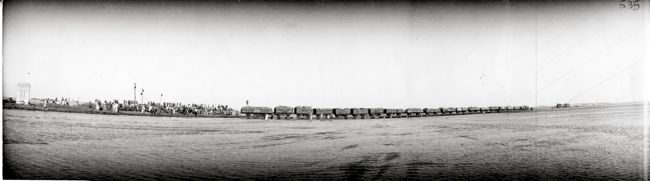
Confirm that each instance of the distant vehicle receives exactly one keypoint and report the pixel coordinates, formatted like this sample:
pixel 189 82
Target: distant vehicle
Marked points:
pixel 343 113
pixel 324 113
pixel 473 110
pixel 494 109
pixel 256 112
pixel 307 112
pixel 432 111
pixel 415 112
pixel 361 113
pixel 462 110
pixel 377 113
pixel 565 105
pixel 448 110
pixel 401 113
pixel 303 112
pixel 528 108
pixel 282 112
pixel 390 113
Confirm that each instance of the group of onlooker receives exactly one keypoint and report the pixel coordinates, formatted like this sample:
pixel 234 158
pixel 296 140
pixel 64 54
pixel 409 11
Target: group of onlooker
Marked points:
pixel 165 108
pixel 48 102
pixel 115 106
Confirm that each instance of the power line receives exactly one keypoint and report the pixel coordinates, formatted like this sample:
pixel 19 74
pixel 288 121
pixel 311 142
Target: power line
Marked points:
pixel 564 30
pixel 573 45
pixel 570 47
pixel 605 80
pixel 581 65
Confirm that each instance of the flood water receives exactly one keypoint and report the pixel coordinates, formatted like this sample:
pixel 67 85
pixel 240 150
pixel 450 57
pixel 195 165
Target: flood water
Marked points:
pixel 594 143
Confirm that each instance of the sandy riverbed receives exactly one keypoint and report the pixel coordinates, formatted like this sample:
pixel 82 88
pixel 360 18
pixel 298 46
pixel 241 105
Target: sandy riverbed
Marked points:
pixel 593 143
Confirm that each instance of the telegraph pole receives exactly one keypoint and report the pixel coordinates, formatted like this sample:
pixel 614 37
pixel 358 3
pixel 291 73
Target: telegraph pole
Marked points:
pixel 134 95
pixel 142 96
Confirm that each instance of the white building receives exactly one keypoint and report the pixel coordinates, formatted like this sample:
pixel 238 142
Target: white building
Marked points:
pixel 23 93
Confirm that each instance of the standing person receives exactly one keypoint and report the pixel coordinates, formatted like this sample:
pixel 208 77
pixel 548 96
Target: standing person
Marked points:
pixel 115 107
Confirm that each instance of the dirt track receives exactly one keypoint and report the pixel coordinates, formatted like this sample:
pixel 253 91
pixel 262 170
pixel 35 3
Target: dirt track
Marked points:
pixel 594 143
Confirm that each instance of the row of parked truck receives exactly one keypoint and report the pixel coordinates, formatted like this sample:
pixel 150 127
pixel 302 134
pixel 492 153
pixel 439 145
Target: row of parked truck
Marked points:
pixel 307 112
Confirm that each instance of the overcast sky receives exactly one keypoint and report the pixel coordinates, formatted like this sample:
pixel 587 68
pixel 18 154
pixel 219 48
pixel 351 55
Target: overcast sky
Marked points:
pixel 328 54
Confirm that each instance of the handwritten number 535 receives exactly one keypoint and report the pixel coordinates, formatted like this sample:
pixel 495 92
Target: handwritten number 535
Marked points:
pixel 631 4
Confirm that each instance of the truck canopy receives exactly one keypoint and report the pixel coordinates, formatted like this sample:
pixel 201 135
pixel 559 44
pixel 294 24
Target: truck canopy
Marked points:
pixel 303 110
pixel 283 110
pixel 414 110
pixel 390 111
pixel 360 111
pixel 256 110
pixel 323 111
pixel 376 110
pixel 431 110
pixel 342 111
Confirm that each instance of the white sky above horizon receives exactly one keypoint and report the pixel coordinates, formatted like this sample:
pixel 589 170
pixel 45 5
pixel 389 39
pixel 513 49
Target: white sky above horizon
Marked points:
pixel 328 55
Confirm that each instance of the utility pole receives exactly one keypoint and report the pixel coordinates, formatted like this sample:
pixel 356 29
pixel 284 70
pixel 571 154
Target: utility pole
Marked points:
pixel 134 95
pixel 142 96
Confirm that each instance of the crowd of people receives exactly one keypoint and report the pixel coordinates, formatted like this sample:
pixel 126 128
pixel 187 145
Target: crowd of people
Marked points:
pixel 131 106
pixel 165 108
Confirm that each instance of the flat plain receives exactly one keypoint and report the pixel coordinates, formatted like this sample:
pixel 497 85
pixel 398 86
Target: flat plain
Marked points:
pixel 567 144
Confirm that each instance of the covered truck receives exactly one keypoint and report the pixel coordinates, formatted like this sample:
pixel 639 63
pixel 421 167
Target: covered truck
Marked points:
pixel 414 112
pixel 256 112
pixel 377 113
pixel 303 112
pixel 390 113
pixel 432 111
pixel 280 112
pixel 342 113
pixel 401 113
pixel 360 113
pixel 324 113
